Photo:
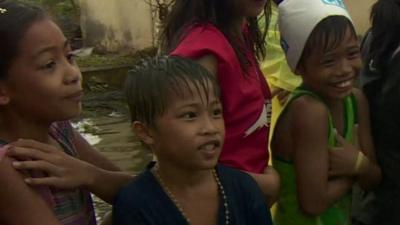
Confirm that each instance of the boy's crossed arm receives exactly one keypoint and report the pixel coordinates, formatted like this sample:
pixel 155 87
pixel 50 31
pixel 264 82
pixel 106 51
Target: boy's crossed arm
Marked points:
pixel 316 190
pixel 358 159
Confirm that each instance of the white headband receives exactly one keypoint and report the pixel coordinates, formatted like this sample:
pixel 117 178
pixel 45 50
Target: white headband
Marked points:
pixel 298 18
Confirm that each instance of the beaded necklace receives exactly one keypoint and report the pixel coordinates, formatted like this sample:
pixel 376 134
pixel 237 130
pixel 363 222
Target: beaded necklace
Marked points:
pixel 175 201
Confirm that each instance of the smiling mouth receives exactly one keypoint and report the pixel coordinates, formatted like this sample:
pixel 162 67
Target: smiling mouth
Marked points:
pixel 344 84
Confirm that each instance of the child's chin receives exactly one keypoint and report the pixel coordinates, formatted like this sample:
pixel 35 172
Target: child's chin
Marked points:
pixel 340 94
pixel 210 164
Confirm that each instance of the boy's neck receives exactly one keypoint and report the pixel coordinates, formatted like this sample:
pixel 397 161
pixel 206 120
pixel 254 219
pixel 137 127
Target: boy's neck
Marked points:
pixel 13 128
pixel 183 178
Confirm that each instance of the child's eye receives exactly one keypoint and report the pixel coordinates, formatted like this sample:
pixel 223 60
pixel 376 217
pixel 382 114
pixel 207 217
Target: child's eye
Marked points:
pixel 188 115
pixel 217 113
pixel 354 54
pixel 328 62
pixel 49 66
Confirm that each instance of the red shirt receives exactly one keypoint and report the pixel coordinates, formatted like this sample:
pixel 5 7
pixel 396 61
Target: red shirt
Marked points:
pixel 243 97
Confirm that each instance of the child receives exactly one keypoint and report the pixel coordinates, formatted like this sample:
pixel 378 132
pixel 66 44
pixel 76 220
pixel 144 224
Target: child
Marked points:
pixel 381 84
pixel 176 111
pixel 40 84
pixel 322 143
pixel 223 36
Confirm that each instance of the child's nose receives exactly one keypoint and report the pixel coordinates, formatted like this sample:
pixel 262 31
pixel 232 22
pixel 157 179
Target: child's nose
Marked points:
pixel 345 67
pixel 72 74
pixel 209 126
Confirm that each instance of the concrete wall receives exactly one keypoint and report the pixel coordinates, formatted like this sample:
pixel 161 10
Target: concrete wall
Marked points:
pixel 116 25
pixel 127 25
pixel 360 11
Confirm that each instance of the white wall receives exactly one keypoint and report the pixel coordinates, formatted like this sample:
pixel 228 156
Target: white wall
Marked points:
pixel 360 11
pixel 116 25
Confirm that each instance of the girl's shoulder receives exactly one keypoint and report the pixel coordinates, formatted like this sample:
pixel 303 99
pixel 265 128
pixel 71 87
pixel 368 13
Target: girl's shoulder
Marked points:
pixel 204 39
pixel 308 114
pixel 17 197
pixel 208 30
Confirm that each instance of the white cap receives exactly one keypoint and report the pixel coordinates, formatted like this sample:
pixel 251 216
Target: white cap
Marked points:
pixel 298 18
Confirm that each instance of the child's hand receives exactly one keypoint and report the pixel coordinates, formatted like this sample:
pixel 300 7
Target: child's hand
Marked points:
pixel 63 171
pixel 342 159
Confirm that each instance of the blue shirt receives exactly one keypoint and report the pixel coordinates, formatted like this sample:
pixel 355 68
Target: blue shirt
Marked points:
pixel 144 202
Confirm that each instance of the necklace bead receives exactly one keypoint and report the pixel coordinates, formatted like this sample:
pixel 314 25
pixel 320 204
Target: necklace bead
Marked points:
pixel 175 201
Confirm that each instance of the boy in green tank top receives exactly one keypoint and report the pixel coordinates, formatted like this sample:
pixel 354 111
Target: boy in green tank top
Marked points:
pixel 322 144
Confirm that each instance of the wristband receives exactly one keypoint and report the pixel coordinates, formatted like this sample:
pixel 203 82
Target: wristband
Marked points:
pixel 359 160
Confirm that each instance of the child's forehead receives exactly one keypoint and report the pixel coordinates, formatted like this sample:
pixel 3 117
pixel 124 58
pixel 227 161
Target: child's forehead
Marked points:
pixel 191 91
pixel 42 34
pixel 331 41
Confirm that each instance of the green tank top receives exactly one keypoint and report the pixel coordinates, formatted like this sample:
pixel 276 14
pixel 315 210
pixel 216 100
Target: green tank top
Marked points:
pixel 288 210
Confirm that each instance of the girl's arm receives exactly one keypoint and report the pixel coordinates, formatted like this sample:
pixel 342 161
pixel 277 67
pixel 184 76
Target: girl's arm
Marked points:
pixel 269 183
pixel 316 192
pixel 106 179
pixel 369 174
pixel 20 204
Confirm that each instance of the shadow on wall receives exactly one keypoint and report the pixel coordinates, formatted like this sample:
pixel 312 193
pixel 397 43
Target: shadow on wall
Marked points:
pixel 123 26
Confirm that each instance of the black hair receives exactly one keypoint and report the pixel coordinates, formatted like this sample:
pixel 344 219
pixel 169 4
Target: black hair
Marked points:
pixel 15 19
pixel 155 82
pixel 327 35
pixel 385 18
pixel 220 13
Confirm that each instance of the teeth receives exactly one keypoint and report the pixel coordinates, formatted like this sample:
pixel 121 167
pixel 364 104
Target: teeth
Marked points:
pixel 209 147
pixel 345 84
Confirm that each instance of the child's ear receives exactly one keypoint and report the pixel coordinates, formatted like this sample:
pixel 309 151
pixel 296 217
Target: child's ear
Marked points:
pixel 143 132
pixel 4 98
